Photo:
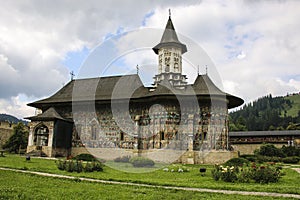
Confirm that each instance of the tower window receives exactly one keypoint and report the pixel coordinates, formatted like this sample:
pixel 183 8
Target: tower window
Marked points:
pixel 176 67
pixel 121 136
pixel 167 69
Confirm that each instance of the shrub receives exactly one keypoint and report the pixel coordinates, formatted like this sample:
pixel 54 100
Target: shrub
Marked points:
pixel 216 173
pixel 123 159
pixel 97 166
pixel 236 162
pixel 88 167
pixel 70 166
pixel 227 174
pixel 77 166
pixel 266 174
pixel 270 150
pixel 262 159
pixel 290 151
pixel 291 160
pixel 249 157
pixel 246 174
pixel 141 162
pixel 85 157
pixel 61 164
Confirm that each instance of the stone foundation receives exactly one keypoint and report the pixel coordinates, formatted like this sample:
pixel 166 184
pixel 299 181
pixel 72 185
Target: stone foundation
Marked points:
pixel 49 151
pixel 207 157
pixel 78 150
pixel 161 155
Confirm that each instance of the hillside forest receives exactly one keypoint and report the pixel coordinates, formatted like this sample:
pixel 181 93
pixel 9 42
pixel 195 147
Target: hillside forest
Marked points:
pixel 267 113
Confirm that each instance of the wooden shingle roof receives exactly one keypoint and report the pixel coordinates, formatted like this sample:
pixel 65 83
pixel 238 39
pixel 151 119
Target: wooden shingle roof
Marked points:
pixel 264 133
pixel 49 114
pixel 130 86
pixel 170 38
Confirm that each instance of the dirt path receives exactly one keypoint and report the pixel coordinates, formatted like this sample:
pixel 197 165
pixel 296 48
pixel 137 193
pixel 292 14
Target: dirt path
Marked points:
pixel 296 169
pixel 271 194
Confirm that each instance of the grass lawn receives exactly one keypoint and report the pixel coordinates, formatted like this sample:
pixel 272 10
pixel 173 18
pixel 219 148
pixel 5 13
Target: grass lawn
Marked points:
pixel 24 186
pixel 287 184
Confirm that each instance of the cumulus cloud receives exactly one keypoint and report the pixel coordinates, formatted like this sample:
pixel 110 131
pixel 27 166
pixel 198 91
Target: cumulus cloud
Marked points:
pixel 36 36
pixel 254 44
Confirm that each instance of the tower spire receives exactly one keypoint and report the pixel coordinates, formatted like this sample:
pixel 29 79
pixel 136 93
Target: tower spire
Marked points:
pixel 169 38
pixel 169 51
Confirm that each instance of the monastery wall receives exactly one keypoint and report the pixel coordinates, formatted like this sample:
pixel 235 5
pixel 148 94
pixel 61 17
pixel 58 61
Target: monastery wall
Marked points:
pixel 250 148
pixel 157 127
pixel 6 130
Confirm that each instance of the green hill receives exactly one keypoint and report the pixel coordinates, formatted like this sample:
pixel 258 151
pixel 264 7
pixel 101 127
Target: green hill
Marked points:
pixel 267 113
pixel 10 118
pixel 293 111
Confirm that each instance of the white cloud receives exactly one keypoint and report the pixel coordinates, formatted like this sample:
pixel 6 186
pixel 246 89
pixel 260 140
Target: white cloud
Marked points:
pixel 255 45
pixel 16 106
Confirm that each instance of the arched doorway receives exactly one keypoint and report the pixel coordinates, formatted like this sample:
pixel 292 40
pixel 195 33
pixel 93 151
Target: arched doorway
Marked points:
pixel 41 135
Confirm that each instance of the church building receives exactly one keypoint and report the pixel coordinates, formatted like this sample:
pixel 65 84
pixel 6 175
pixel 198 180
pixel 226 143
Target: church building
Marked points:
pixel 117 115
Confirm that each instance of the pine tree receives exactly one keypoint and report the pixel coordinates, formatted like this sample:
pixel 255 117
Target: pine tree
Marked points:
pixel 18 140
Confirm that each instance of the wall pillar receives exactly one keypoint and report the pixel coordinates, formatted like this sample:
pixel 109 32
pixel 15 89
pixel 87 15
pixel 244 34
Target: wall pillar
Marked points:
pixel 51 134
pixel 30 136
pixel 191 132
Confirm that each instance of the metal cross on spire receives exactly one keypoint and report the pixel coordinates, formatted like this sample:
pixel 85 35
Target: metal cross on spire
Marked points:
pixel 137 69
pixel 72 75
pixel 169 12
pixel 206 69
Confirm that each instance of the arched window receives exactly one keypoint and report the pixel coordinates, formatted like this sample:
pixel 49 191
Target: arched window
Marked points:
pixel 94 132
pixel 162 135
pixel 41 135
pixel 167 69
pixel 78 132
pixel 122 136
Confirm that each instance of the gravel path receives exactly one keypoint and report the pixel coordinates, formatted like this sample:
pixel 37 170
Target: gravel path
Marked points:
pixel 296 169
pixel 271 194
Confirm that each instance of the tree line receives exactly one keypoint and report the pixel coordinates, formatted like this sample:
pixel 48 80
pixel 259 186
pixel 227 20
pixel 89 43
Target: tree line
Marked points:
pixel 265 113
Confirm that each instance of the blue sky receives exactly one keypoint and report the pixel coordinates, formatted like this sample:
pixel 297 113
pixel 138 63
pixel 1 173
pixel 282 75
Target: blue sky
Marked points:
pixel 74 59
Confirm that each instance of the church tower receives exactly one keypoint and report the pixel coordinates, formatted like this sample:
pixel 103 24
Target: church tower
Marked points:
pixel 169 52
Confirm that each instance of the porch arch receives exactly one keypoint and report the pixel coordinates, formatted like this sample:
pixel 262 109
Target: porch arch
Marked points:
pixel 41 135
